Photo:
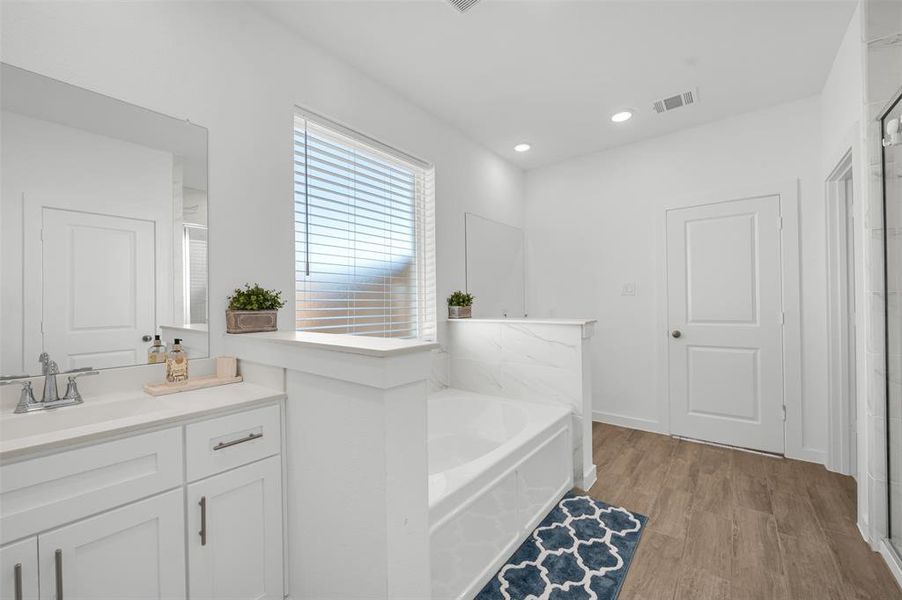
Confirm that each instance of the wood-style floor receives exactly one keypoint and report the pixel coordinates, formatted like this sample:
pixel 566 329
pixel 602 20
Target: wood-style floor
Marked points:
pixel 725 524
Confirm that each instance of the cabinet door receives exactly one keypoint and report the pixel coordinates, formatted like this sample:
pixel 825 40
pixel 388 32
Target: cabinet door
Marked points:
pixel 132 552
pixel 19 570
pixel 235 534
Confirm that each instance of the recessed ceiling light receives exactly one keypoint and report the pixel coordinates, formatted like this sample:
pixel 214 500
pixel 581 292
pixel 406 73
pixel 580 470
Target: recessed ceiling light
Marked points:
pixel 623 115
pixel 522 147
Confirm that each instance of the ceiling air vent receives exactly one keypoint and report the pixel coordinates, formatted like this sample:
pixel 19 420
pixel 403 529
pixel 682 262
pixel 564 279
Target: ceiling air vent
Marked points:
pixel 463 5
pixel 674 102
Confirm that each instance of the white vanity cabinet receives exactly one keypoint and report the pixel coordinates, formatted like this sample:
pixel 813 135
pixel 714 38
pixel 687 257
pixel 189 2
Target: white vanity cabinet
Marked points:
pixel 108 519
pixel 136 551
pixel 19 569
pixel 235 506
pixel 235 533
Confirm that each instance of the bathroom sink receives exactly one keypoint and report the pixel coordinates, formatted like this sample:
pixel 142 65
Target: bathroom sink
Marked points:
pixel 95 414
pixel 116 413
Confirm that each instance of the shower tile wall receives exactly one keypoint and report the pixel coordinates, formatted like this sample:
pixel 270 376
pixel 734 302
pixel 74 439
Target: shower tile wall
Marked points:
pixel 882 36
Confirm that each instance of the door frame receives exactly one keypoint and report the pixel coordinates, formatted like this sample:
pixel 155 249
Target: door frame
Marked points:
pixel 788 192
pixel 841 371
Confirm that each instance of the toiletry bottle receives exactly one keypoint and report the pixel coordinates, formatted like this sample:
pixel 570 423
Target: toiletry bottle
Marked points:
pixel 157 352
pixel 177 363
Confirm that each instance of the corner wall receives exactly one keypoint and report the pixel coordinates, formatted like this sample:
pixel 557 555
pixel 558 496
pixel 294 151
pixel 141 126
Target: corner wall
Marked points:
pixel 591 228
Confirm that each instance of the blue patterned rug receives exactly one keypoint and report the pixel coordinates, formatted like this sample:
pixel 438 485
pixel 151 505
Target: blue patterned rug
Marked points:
pixel 580 551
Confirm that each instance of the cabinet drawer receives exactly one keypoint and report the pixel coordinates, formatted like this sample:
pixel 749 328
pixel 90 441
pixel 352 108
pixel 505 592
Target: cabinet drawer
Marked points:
pixel 223 443
pixel 45 492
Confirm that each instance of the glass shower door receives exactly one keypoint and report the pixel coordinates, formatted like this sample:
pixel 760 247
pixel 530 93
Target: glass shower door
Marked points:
pixel 892 198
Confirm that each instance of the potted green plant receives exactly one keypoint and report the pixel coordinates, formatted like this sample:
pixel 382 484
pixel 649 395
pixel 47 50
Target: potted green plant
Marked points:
pixel 253 309
pixel 460 305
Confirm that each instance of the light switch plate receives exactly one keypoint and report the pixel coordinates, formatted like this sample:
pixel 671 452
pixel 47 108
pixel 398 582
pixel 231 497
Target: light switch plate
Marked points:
pixel 628 289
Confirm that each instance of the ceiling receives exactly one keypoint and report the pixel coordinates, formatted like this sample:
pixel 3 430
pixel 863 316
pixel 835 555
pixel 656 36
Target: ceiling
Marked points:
pixel 551 72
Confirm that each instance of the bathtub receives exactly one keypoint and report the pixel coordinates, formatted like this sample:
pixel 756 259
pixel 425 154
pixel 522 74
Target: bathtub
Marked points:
pixel 496 467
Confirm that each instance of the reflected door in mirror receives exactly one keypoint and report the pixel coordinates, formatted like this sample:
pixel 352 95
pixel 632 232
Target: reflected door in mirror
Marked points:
pixel 98 273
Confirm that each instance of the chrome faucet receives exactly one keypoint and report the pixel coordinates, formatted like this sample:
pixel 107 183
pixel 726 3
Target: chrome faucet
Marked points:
pixel 50 399
pixel 49 370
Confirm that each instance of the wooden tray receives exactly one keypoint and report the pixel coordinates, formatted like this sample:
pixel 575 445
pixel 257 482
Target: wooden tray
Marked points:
pixel 198 383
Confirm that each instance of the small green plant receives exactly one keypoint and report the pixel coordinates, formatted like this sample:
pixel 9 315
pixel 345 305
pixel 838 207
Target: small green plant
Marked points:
pixel 255 298
pixel 459 298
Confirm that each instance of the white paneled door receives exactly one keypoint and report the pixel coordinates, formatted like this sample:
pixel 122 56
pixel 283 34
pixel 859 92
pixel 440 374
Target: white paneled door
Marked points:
pixel 99 294
pixel 725 314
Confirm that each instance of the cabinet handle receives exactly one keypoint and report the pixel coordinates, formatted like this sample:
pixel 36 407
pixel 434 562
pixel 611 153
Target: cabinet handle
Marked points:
pixel 58 559
pixel 17 575
pixel 248 438
pixel 203 521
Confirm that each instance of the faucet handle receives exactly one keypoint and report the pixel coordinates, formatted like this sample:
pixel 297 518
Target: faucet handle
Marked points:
pixel 27 402
pixel 72 394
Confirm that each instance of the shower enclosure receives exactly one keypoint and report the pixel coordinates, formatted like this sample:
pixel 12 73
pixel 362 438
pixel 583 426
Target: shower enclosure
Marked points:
pixel 892 212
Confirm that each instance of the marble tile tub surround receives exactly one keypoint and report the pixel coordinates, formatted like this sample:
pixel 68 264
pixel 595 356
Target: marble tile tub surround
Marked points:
pixel 537 360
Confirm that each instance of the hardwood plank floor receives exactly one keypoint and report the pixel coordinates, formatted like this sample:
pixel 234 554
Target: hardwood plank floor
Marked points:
pixel 731 525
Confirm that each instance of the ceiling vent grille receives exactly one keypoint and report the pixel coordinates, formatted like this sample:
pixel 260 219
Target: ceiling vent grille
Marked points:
pixel 463 5
pixel 674 102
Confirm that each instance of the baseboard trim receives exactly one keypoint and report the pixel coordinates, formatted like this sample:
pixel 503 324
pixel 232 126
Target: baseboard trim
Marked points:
pixel 892 560
pixel 630 422
pixel 808 455
pixel 590 476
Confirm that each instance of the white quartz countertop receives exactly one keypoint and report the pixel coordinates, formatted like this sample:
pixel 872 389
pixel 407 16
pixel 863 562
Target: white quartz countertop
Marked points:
pixel 549 321
pixel 117 413
pixel 354 344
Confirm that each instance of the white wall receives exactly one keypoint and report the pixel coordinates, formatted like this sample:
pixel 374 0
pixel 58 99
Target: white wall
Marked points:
pixel 591 227
pixel 228 68
pixel 56 165
pixel 842 98
pixel 842 101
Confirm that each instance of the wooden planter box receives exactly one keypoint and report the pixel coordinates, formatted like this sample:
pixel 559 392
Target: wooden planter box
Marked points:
pixel 250 321
pixel 460 312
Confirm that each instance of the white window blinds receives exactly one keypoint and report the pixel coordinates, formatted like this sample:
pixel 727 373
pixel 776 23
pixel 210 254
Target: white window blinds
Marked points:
pixel 364 235
pixel 195 274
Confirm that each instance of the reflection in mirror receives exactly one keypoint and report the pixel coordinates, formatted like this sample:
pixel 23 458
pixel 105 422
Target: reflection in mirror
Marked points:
pixel 496 266
pixel 103 228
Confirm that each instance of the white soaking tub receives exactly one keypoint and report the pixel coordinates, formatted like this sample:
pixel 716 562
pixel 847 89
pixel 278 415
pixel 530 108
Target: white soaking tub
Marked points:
pixel 496 467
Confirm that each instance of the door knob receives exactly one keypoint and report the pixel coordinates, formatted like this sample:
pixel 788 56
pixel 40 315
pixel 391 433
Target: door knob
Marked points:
pixel 676 333
pixel 146 338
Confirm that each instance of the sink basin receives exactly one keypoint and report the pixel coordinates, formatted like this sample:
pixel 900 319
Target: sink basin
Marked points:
pixel 13 427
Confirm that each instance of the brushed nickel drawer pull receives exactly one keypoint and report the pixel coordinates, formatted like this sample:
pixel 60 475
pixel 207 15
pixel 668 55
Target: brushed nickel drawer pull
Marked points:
pixel 248 438
pixel 203 521
pixel 58 559
pixel 17 575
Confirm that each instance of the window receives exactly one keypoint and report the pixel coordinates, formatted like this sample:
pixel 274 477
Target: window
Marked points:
pixel 195 284
pixel 364 235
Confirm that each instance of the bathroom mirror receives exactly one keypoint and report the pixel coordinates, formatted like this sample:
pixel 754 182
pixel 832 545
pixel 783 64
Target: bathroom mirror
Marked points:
pixel 496 266
pixel 103 228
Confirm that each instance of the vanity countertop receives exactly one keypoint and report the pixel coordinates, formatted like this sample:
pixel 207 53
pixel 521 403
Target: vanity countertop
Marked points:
pixel 117 413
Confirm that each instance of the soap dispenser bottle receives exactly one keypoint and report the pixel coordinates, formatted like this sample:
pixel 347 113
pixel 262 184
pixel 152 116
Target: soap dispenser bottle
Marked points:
pixel 157 351
pixel 176 364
